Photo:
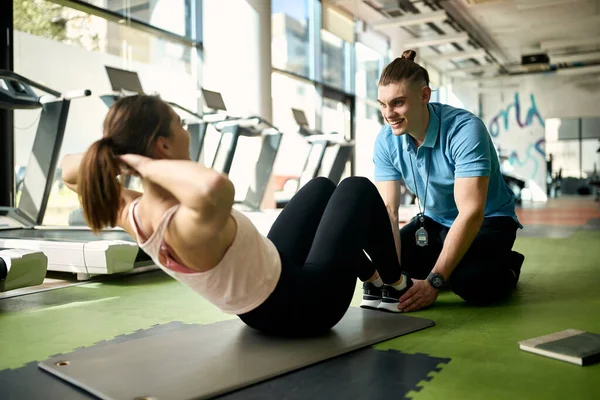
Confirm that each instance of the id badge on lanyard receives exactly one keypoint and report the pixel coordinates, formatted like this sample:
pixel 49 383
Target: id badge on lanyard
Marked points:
pixel 421 235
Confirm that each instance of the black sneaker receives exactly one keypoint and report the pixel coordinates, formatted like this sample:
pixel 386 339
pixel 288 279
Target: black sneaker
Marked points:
pixel 371 296
pixel 390 297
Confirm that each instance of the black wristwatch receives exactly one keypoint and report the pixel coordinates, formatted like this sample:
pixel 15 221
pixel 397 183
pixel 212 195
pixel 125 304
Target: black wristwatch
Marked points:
pixel 436 280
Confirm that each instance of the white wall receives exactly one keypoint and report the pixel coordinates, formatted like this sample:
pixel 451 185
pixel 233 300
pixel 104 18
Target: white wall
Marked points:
pixel 461 95
pixel 516 116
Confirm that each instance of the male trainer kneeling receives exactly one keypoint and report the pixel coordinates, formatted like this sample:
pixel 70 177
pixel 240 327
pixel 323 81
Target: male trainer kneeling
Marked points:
pixel 462 237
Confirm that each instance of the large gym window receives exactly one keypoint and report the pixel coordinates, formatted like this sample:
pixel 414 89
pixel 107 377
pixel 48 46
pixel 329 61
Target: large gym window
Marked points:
pixel 290 40
pixel 369 64
pixel 334 60
pixel 48 20
pixel 337 47
pixel 174 16
pixel 68 49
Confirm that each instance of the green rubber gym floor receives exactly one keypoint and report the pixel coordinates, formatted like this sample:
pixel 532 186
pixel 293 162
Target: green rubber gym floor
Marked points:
pixel 558 290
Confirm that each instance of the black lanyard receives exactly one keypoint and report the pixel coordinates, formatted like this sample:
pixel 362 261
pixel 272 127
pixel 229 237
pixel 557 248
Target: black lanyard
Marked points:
pixel 421 236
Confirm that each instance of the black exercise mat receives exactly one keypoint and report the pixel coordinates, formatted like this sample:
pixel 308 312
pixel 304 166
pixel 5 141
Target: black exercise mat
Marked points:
pixel 30 382
pixel 363 374
pixel 208 360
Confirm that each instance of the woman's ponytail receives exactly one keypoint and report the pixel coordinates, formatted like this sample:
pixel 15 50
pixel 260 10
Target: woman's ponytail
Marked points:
pixel 98 186
pixel 132 126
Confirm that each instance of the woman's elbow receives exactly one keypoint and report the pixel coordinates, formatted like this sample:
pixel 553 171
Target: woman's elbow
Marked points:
pixel 220 192
pixel 68 170
pixel 224 189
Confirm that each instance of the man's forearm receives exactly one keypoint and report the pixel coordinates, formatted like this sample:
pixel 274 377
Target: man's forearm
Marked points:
pixel 459 239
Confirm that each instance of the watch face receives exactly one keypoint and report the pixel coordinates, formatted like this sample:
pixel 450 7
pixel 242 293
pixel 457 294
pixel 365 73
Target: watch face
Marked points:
pixel 437 281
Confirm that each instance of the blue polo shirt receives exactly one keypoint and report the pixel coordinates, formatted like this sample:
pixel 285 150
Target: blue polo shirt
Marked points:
pixel 457 144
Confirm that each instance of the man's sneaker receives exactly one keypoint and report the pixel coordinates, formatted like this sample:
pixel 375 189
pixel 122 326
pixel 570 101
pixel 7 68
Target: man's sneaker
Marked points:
pixel 371 296
pixel 390 297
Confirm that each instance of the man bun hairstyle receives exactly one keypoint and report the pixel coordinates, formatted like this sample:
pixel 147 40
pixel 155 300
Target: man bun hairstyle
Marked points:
pixel 404 68
pixel 410 54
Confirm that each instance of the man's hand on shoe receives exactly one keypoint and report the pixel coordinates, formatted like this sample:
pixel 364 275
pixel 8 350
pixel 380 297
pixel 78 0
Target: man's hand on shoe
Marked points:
pixel 420 295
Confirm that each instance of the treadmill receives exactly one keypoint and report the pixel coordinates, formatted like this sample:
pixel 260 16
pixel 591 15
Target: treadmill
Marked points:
pixel 75 250
pixel 125 83
pixel 231 130
pixel 213 101
pixel 21 268
pixel 319 143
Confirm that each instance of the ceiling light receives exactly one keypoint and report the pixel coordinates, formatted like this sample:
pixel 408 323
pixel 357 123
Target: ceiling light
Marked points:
pixel 561 44
pixel 412 19
pixel 572 58
pixel 436 40
pixel 459 55
pixel 474 69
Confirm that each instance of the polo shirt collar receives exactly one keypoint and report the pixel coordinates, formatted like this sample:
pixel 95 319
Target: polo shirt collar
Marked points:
pixel 433 129
pixel 431 135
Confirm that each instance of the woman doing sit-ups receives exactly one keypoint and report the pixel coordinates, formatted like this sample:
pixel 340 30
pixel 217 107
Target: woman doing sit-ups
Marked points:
pixel 299 280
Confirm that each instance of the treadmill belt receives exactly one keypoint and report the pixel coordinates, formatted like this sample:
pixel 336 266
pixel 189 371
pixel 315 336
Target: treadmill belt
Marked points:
pixel 65 235
pixel 72 235
pixel 204 361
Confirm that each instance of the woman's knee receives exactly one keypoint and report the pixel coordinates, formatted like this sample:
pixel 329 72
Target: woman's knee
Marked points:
pixel 321 182
pixel 320 185
pixel 358 183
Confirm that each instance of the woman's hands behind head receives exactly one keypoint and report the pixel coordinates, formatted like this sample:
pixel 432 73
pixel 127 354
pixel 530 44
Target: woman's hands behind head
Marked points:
pixel 134 164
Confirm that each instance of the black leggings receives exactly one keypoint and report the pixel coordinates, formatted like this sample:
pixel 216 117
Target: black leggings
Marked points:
pixel 320 236
pixel 483 275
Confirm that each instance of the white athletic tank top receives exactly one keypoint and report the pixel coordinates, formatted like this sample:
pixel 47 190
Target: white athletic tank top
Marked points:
pixel 240 282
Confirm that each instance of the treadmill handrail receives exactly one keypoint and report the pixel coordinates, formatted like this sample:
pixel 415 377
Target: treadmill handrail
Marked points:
pixel 241 120
pixel 329 138
pixel 76 94
pixel 229 122
pixel 68 96
pixel 195 114
pixel 201 116
pixel 264 121
pixel 9 74
pixel 307 132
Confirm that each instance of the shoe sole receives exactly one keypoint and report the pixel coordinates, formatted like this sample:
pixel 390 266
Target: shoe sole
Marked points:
pixel 370 304
pixel 389 307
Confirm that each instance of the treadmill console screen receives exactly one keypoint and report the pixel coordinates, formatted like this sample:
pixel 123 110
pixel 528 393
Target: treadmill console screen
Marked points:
pixel 300 117
pixel 213 100
pixel 121 79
